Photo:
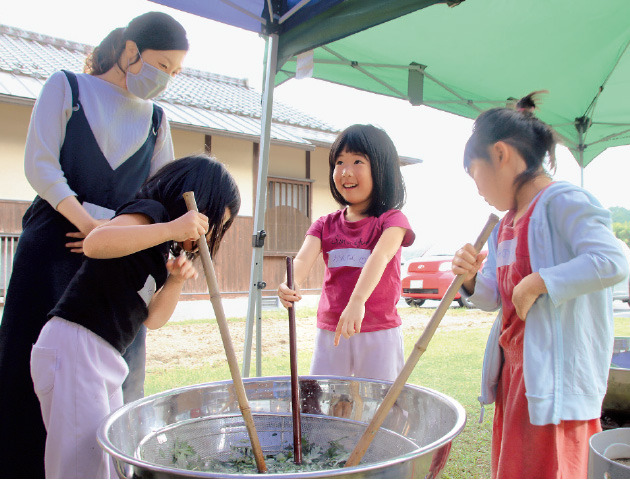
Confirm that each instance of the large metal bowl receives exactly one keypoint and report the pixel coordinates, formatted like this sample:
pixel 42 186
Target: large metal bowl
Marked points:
pixel 425 419
pixel 617 397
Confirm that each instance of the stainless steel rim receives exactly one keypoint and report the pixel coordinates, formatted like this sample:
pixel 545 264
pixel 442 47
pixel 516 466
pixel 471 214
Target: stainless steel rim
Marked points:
pixel 104 442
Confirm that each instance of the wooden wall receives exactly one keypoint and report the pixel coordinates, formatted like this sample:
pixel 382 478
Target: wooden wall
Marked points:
pixel 232 264
pixel 11 213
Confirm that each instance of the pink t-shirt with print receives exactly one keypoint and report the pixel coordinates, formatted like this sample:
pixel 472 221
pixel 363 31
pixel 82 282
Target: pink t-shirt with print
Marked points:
pixel 346 247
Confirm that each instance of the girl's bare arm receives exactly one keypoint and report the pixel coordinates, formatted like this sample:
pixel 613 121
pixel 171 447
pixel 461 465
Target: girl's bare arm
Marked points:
pixel 302 265
pixel 165 300
pixel 385 249
pixel 131 233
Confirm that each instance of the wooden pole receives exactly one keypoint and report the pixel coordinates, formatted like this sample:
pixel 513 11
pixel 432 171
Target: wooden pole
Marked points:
pixel 419 348
pixel 295 382
pixel 215 299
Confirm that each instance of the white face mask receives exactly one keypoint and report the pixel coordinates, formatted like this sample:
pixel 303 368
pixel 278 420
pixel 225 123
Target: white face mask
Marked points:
pixel 148 83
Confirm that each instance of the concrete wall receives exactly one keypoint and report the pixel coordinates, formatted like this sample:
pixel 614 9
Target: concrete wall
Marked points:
pixel 287 162
pixel 233 265
pixel 187 143
pixel 236 154
pixel 291 163
pixel 323 202
pixel 14 120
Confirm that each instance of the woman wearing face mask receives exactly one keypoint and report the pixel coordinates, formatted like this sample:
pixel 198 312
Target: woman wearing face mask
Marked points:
pixel 93 140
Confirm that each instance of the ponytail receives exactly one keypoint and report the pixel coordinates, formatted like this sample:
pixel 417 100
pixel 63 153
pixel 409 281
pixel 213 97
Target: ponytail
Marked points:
pixel 519 127
pixel 547 137
pixel 106 55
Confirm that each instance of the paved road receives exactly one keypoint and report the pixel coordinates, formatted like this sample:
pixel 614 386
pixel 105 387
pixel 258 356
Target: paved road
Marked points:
pixel 621 309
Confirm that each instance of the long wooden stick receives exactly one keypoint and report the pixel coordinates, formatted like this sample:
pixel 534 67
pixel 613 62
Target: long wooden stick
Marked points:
pixel 419 348
pixel 295 383
pixel 215 298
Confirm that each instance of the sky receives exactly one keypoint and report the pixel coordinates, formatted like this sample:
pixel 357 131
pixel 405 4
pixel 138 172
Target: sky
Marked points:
pixel 442 201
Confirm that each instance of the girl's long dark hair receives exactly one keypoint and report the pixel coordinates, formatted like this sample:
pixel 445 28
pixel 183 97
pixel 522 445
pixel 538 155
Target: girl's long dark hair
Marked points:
pixel 534 140
pixel 152 30
pixel 214 187
pixel 388 189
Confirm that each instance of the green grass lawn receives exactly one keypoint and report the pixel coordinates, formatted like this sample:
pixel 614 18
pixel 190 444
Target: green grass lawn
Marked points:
pixel 451 365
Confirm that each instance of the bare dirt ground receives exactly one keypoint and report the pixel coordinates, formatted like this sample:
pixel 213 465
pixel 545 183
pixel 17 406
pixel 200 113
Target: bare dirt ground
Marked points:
pixel 195 345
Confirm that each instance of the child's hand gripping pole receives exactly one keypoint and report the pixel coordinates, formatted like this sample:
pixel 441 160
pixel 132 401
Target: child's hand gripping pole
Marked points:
pixel 217 306
pixel 419 348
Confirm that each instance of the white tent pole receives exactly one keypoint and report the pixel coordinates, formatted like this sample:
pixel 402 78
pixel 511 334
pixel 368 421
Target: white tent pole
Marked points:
pixel 580 129
pixel 256 283
pixel 582 124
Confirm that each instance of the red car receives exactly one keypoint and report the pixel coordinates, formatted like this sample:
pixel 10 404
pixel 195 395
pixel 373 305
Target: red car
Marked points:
pixel 427 278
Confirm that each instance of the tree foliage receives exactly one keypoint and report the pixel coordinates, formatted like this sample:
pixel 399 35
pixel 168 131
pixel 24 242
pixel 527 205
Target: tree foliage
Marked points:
pixel 621 223
pixel 620 214
pixel 622 231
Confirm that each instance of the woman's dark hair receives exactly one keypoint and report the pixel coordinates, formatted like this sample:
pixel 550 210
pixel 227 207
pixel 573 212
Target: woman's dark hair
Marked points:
pixel 214 188
pixel 532 138
pixel 388 189
pixel 152 30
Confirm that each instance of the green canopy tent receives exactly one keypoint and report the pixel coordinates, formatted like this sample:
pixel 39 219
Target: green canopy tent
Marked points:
pixel 462 60
pixel 479 55
pixel 289 26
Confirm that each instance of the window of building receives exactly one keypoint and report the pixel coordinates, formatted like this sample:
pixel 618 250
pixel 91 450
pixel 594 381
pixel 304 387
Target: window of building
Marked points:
pixel 288 215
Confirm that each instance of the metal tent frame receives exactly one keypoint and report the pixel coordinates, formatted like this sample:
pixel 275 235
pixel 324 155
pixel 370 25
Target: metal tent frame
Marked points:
pixel 290 27
pixel 383 47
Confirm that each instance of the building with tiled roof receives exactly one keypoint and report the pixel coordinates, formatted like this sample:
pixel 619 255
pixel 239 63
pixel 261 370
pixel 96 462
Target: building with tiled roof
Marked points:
pixel 207 112
pixel 195 99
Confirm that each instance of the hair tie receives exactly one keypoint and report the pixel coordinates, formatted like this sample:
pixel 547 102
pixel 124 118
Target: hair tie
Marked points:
pixel 528 112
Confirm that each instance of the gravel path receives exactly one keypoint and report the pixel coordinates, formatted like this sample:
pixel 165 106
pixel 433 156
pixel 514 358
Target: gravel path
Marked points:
pixel 195 345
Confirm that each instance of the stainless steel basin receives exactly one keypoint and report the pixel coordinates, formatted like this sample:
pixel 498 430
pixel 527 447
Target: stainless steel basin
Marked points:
pixel 425 420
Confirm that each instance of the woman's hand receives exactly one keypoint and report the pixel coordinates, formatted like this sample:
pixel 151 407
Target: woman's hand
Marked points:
pixel 288 296
pixel 350 320
pixel 181 269
pixel 526 292
pixel 190 226
pixel 77 247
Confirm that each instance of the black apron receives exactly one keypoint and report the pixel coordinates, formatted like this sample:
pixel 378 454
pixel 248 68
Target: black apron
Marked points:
pixel 42 268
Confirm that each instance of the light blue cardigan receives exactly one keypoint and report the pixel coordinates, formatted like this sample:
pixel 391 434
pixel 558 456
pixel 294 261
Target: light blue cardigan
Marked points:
pixel 569 331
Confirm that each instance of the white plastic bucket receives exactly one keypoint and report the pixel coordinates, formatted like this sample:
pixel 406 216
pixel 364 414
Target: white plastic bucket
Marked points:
pixel 599 465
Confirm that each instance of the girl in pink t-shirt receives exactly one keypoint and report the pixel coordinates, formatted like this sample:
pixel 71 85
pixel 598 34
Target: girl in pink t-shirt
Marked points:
pixel 361 246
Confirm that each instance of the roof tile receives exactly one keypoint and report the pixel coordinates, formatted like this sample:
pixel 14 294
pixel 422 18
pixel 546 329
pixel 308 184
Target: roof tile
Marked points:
pixel 194 97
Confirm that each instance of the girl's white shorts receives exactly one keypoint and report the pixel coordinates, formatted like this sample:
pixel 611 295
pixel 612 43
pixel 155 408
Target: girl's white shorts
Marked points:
pixel 378 355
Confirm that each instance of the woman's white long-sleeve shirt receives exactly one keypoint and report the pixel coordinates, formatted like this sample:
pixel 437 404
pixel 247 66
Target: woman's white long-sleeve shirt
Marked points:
pixel 119 120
